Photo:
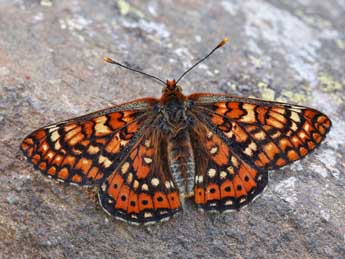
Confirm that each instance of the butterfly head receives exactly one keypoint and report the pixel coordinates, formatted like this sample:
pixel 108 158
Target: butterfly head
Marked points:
pixel 171 88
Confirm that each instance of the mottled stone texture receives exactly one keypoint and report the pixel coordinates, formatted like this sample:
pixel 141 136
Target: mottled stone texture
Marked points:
pixel 51 69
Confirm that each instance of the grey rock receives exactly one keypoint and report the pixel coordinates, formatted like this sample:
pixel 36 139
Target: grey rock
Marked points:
pixel 51 69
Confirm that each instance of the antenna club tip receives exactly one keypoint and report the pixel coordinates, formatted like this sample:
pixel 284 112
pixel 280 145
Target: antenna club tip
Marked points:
pixel 223 42
pixel 106 59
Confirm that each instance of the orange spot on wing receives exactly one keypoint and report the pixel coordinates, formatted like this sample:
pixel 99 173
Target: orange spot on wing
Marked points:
pixel 212 192
pixel 174 200
pixel 271 150
pixel 217 120
pixel 261 111
pixel 122 200
pixel 35 159
pixel 115 186
pixel 84 165
pixel 284 143
pixel 239 188
pixel 263 158
pixel 145 202
pixel 160 201
pixel 114 120
pixel 199 194
pixel 114 145
pixel 52 170
pixel 133 203
pixel 241 135
pixel 70 134
pixel 227 189
pixel 303 151
pixel 292 155
pixel 133 127
pixel 63 173
pixel 235 111
pixel 76 139
pixel 247 179
pixel 68 160
pixel 40 134
pixel 93 172
pixel 76 178
pixel 88 129
pixel 221 157
pixel 42 166
pixel 281 162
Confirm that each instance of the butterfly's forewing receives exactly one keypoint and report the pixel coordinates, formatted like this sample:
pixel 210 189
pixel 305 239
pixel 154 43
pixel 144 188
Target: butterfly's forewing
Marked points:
pixel 84 150
pixel 141 189
pixel 251 136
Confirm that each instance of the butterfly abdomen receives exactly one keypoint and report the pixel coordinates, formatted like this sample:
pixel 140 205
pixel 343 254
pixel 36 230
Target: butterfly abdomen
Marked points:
pixel 181 162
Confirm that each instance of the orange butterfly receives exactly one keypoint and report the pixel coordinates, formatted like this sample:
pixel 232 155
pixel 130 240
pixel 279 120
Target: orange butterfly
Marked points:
pixel 150 154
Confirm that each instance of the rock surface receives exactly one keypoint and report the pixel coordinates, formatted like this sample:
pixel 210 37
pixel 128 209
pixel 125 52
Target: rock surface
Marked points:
pixel 51 69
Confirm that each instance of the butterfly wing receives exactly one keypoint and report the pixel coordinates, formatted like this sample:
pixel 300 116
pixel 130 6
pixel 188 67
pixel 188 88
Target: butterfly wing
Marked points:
pixel 85 150
pixel 244 139
pixel 141 190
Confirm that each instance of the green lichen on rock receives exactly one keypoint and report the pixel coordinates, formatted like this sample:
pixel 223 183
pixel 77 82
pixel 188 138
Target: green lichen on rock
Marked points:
pixel 328 83
pixel 125 8
pixel 266 92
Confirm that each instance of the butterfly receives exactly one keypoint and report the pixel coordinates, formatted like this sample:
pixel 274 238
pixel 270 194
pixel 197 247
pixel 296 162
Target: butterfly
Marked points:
pixel 148 155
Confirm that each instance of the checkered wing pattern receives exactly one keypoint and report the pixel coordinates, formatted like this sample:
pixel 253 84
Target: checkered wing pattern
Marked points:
pixel 244 138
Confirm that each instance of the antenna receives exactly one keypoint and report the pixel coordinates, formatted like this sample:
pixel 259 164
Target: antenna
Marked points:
pixel 109 60
pixel 221 44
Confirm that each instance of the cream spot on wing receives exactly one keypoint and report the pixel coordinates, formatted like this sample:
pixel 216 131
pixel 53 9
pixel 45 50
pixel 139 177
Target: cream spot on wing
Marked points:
pixel 250 116
pixel 214 150
pixel 45 147
pixel 211 172
pixel 229 134
pixel 147 143
pixel 234 161
pixel 145 187
pixel 167 184
pixel 306 127
pixel 302 135
pixel 52 128
pixel 57 145
pixel 54 136
pixel 222 174
pixel 124 167
pixel 199 179
pixel 230 170
pixel 148 215
pixel 129 178
pixel 248 151
pixel 147 160
pixel 100 128
pixel 294 116
pixel 105 161
pixel 50 155
pixel 155 182
pixel 229 202
pixel 293 126
pixel 135 184
pixel 93 149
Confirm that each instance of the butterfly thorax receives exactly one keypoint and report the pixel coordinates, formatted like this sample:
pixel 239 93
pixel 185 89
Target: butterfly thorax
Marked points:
pixel 173 106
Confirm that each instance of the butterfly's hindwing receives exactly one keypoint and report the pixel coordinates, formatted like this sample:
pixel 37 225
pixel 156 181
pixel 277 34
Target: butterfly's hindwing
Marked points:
pixel 224 180
pixel 141 190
